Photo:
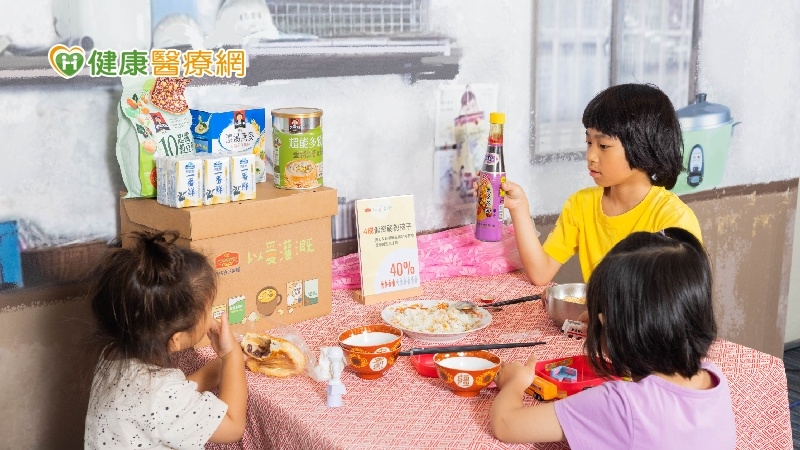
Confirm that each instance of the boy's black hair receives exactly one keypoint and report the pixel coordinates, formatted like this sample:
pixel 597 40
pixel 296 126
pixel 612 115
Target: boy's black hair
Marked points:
pixel 642 117
pixel 654 292
pixel 143 295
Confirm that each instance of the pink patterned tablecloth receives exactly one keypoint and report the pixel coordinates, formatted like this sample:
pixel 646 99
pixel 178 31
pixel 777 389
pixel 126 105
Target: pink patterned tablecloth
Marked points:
pixel 403 410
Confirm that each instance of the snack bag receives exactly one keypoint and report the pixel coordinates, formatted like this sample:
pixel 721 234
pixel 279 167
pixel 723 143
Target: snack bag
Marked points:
pixel 154 120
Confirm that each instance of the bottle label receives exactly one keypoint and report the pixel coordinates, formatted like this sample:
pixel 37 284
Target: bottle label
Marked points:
pixel 489 224
pixel 491 159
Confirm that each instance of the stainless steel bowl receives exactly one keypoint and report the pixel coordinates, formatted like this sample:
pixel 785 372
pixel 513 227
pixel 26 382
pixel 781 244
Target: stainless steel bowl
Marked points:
pixel 559 309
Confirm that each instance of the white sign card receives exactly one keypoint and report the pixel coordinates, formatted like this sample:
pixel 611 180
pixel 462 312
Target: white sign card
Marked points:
pixel 387 248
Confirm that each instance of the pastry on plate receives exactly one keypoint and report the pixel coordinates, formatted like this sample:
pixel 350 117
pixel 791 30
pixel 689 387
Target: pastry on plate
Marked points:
pixel 272 356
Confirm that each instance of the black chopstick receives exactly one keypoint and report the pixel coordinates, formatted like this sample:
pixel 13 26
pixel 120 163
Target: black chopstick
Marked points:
pixel 512 301
pixel 465 348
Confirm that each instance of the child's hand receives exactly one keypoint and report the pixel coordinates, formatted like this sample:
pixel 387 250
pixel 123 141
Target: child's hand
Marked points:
pixel 515 373
pixel 474 190
pixel 221 336
pixel 515 196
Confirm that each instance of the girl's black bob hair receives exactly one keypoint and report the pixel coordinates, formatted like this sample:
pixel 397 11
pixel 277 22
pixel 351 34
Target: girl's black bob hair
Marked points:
pixel 642 117
pixel 654 293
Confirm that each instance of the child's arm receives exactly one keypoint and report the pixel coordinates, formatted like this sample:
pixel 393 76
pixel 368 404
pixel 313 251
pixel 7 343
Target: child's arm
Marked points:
pixel 512 421
pixel 207 377
pixel 539 266
pixel 232 383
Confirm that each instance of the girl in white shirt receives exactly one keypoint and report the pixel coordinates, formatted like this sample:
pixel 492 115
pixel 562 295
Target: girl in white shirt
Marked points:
pixel 149 302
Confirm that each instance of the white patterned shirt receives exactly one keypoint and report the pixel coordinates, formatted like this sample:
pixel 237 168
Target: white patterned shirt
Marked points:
pixel 133 406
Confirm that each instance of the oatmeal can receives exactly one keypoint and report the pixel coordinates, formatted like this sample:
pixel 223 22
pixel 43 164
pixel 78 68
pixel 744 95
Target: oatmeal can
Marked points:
pixel 297 147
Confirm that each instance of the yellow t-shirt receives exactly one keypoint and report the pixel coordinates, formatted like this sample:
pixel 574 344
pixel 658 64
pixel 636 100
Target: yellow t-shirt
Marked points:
pixel 584 229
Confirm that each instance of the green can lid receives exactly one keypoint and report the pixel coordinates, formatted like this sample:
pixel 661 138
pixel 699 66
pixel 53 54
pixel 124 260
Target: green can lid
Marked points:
pixel 297 112
pixel 497 117
pixel 702 114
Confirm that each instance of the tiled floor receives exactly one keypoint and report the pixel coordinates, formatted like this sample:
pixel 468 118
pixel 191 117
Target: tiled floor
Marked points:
pixel 791 360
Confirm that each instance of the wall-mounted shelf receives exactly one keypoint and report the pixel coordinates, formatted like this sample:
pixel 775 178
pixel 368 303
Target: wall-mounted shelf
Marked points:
pixel 414 58
pixel 36 71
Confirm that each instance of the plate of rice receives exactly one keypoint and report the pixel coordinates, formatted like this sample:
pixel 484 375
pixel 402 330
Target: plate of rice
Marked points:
pixel 435 321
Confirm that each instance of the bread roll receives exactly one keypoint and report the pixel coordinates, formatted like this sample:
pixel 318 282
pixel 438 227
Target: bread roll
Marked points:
pixel 272 356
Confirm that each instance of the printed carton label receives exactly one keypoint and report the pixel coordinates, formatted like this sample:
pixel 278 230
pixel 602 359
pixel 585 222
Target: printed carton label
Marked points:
pixel 236 309
pixel 311 292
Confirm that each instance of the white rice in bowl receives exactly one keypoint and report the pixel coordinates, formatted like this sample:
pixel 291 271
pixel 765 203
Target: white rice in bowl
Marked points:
pixel 438 318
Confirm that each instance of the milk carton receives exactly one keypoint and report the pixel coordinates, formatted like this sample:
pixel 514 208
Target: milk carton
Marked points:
pixel 179 181
pixel 216 179
pixel 243 177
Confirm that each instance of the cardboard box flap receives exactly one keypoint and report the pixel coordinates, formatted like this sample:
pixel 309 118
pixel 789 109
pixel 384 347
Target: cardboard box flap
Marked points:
pixel 271 207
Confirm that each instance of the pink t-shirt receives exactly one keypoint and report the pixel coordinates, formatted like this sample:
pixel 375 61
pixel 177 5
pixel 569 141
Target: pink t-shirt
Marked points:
pixel 652 413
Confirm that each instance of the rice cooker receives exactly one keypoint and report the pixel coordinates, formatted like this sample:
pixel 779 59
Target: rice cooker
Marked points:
pixel 707 128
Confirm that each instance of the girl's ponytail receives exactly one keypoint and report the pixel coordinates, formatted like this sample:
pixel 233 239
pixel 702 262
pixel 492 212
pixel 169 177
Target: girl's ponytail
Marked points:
pixel 159 261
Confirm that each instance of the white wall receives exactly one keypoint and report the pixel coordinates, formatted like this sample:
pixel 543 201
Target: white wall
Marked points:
pixel 378 129
pixel 57 165
pixel 749 61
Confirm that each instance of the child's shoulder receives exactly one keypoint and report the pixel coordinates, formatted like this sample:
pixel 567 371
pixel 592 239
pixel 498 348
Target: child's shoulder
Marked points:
pixel 587 194
pixel 666 201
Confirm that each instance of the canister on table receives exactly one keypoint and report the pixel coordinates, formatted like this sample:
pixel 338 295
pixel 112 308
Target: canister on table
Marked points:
pixel 297 144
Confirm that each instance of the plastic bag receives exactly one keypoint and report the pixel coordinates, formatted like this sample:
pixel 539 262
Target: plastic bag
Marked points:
pixel 266 325
pixel 154 120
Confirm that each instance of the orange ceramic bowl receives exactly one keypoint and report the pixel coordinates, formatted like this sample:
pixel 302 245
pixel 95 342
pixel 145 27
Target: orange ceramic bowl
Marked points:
pixel 371 339
pixel 466 373
pixel 370 366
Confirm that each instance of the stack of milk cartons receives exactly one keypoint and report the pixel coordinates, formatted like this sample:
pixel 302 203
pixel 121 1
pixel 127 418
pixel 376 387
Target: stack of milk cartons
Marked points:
pixel 205 179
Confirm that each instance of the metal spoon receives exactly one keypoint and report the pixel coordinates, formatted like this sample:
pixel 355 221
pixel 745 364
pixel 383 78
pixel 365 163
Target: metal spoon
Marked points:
pixel 469 307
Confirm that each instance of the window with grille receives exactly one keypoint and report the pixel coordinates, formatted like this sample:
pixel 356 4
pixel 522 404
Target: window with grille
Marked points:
pixel 583 46
pixel 362 18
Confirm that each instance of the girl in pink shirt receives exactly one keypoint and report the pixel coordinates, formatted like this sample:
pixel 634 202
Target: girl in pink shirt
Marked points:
pixel 650 319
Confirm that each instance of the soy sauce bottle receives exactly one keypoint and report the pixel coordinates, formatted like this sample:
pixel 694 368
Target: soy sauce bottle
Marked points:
pixel 489 225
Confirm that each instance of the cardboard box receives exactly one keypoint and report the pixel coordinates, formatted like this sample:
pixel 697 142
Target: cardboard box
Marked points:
pixel 272 254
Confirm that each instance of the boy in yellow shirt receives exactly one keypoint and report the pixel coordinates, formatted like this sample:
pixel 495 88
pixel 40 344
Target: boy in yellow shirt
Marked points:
pixel 634 153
